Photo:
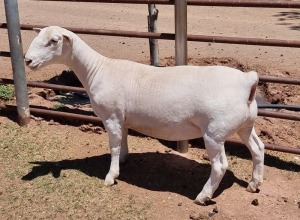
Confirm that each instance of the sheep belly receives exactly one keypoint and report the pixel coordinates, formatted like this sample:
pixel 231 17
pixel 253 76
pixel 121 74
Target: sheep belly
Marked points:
pixel 166 130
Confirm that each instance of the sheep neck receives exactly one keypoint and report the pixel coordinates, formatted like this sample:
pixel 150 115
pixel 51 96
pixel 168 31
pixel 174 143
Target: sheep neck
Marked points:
pixel 84 61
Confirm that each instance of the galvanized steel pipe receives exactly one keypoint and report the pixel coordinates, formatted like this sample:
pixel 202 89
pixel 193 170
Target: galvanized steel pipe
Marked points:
pixel 17 61
pixel 180 32
pixel 181 49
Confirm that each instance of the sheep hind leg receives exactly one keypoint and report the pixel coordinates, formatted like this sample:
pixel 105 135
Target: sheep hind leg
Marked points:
pixel 256 147
pixel 124 146
pixel 216 153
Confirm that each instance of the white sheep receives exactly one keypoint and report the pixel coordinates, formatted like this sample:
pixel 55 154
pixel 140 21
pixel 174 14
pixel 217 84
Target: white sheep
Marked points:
pixel 170 103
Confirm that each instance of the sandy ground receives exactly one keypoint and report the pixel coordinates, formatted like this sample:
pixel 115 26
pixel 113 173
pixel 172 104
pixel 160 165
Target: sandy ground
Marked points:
pixel 167 189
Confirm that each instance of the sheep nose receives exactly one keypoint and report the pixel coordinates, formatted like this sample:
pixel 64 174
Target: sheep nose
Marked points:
pixel 27 61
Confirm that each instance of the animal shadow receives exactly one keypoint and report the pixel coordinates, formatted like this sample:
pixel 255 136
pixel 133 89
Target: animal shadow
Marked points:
pixel 288 18
pixel 152 171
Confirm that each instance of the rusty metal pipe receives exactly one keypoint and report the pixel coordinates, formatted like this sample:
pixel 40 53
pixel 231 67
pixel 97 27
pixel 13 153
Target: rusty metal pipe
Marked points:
pixel 283 80
pixel 55 87
pixel 281 115
pixel 46 85
pixel 261 112
pixel 244 41
pixel 280 106
pixel 98 120
pixel 170 36
pixel 224 3
pixel 53 113
pixel 246 3
pixel 269 79
pixel 116 33
pixel 5 54
pixel 270 147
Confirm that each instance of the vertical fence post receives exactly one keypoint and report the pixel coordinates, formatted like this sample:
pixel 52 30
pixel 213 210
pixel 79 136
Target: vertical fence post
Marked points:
pixel 17 60
pixel 152 27
pixel 181 48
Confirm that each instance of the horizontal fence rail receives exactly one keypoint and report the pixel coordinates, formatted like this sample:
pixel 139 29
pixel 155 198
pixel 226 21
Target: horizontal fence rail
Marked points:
pixel 280 106
pixel 46 85
pixel 261 112
pixel 280 115
pixel 5 54
pixel 223 3
pixel 270 147
pixel 53 113
pixel 170 36
pixel 281 80
pixel 93 119
pixel 269 79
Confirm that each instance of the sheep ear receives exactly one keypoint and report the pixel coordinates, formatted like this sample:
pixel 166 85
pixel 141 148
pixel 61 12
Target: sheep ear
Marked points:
pixel 37 30
pixel 68 37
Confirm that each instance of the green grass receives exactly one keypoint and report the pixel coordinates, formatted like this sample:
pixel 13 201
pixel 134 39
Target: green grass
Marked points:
pixel 59 106
pixel 6 92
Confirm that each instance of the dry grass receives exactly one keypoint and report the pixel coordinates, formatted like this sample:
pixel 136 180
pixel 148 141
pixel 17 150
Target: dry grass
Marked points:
pixel 57 171
pixel 31 192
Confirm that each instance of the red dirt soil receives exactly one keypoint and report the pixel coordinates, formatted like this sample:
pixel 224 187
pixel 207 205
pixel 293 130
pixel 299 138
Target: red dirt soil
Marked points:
pixel 162 182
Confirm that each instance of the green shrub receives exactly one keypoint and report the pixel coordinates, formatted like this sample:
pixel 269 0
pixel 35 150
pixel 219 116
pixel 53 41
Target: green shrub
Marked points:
pixel 6 92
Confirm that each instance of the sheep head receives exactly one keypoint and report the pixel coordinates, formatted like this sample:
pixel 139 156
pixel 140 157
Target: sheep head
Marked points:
pixel 52 45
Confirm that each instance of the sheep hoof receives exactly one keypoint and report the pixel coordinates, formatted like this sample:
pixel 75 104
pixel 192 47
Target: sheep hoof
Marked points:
pixel 202 201
pixel 252 187
pixel 199 202
pixel 109 180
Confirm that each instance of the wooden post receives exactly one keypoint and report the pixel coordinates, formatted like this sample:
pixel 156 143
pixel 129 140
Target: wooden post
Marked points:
pixel 181 48
pixel 152 27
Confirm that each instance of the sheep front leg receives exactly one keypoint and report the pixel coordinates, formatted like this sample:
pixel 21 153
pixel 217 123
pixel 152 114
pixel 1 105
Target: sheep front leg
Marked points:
pixel 114 130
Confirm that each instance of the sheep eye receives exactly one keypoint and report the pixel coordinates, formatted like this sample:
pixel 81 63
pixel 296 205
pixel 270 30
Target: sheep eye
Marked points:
pixel 54 40
pixel 51 42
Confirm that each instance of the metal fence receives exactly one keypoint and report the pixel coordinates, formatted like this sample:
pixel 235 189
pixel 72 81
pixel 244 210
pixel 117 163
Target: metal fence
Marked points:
pixel 181 37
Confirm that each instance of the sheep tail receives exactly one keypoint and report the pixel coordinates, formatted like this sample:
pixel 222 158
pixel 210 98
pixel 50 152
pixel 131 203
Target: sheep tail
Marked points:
pixel 253 81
